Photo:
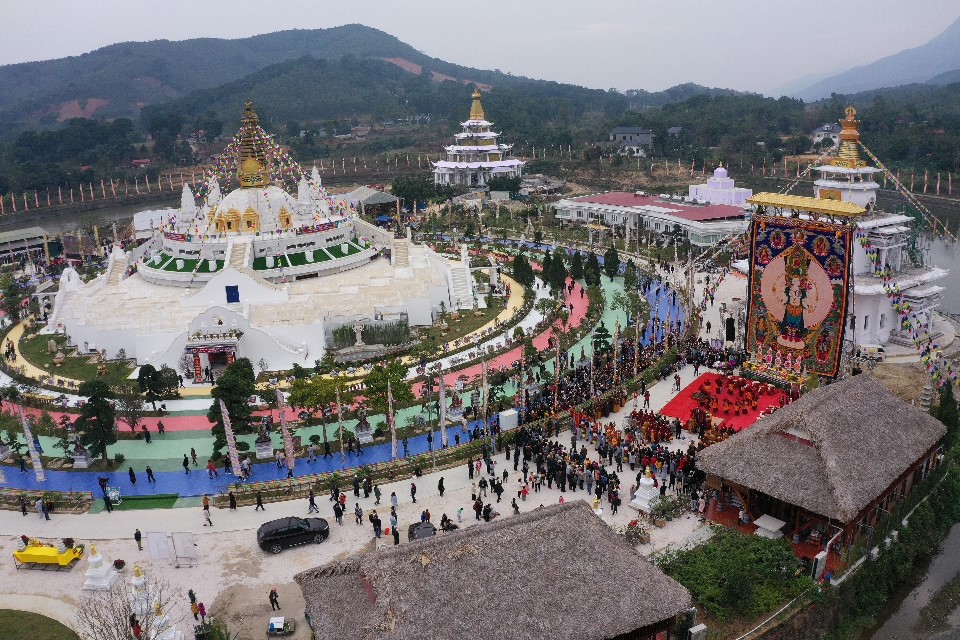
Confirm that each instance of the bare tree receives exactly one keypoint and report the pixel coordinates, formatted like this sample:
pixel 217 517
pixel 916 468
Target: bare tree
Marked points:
pixel 130 405
pixel 109 615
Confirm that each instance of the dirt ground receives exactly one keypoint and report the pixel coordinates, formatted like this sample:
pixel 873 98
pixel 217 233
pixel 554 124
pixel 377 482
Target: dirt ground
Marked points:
pixel 905 380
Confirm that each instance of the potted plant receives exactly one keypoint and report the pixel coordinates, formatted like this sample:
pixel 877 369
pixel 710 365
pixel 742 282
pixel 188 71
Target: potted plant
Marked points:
pixel 68 542
pixel 636 534
pixel 119 564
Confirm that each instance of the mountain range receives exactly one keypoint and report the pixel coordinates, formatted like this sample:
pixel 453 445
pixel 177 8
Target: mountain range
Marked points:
pixel 935 62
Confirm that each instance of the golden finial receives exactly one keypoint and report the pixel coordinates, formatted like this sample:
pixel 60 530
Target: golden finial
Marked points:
pixel 252 160
pixel 648 473
pixel 93 550
pixel 848 155
pixel 137 571
pixel 476 109
pixel 157 609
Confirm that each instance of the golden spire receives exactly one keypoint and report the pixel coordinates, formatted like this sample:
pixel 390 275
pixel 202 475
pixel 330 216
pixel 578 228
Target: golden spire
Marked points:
pixel 849 153
pixel 476 109
pixel 252 161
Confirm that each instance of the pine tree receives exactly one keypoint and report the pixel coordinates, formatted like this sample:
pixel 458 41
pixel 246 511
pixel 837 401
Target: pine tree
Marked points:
pixel 630 276
pixel 97 418
pixel 234 386
pixel 576 266
pixel 611 262
pixel 591 271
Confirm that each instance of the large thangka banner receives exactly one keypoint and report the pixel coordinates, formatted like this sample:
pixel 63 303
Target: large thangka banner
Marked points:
pixel 797 301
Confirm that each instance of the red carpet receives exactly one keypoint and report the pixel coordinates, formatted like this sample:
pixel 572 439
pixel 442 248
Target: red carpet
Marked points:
pixel 684 403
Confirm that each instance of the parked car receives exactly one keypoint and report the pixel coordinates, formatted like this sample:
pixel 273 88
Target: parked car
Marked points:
pixel 276 535
pixel 421 530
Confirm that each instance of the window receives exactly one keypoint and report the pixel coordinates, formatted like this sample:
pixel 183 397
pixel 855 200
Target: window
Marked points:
pixel 866 322
pixel 233 294
pixel 853 323
pixel 883 320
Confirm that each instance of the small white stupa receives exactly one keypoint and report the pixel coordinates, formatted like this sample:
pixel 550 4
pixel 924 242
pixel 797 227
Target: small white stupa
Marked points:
pixel 647 493
pixel 100 575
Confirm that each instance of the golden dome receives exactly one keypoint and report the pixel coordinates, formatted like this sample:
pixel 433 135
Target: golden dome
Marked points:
pixel 251 173
pixel 848 155
pixel 476 109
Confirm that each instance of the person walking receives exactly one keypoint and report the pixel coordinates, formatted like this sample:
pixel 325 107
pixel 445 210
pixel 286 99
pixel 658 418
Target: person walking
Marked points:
pixel 202 611
pixel 138 537
pixel 394 500
pixel 646 399
pixel 206 516
pixel 312 504
pixel 193 455
pixel 233 501
pixel 42 509
pixel 396 536
pixel 312 453
pixel 133 476
pixel 376 494
pixel 440 487
pixel 274 600
pixel 212 470
pixel 161 428
pixel 186 465
pixel 259 506
pixel 150 477
pixel 358 514
pixel 413 492
pixel 23 503
pixel 338 513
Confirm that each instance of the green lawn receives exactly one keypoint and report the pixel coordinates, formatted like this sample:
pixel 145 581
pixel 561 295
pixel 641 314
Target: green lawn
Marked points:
pixel 78 368
pixel 22 624
pixel 160 501
pixel 335 251
pixel 260 264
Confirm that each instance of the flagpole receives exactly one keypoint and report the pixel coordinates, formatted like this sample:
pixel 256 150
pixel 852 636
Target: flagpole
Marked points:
pixel 392 420
pixel 287 439
pixel 231 439
pixel 343 456
pixel 442 414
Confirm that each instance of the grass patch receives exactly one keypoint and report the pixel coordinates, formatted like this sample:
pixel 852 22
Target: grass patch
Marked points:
pixel 335 251
pixel 77 367
pixel 467 323
pixel 23 624
pixel 161 501
pixel 737 576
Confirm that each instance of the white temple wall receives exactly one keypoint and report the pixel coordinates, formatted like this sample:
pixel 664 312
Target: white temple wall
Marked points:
pixel 263 343
pixel 872 311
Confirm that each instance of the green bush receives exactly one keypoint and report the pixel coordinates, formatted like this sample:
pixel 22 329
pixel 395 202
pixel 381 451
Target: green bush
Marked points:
pixel 737 575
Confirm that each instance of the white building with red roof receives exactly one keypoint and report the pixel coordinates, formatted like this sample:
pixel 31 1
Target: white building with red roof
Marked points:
pixel 632 213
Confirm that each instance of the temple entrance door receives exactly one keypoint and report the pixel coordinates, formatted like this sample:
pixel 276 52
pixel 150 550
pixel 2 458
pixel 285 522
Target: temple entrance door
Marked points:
pixel 219 361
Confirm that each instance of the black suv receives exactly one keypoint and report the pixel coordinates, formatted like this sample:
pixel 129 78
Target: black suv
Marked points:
pixel 275 535
pixel 421 530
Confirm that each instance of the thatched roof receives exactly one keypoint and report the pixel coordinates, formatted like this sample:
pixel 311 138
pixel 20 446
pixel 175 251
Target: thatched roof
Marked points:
pixel 831 452
pixel 554 572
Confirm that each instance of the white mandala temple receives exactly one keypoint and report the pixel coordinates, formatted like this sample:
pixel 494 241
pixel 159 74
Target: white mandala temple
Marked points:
pixel 255 273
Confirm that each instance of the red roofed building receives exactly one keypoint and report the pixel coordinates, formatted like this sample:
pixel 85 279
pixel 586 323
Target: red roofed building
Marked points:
pixel 631 213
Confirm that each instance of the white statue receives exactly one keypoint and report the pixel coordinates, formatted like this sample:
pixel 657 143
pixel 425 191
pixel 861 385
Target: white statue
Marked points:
pixel 358 330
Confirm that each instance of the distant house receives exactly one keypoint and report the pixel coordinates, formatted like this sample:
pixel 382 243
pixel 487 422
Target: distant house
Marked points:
pixel 141 162
pixel 831 131
pixel 674 131
pixel 631 137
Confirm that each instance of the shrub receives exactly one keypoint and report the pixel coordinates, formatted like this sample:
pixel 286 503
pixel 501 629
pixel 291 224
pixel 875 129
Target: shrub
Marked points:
pixel 118 459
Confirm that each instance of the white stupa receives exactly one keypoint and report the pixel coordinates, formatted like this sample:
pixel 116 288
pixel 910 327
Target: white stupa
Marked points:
pixel 100 574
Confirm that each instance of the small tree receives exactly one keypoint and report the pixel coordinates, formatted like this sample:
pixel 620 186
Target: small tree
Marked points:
pixel 592 270
pixel 97 418
pixel 106 615
pixel 150 384
pixel 131 405
pixel 576 266
pixel 611 262
pixel 376 385
pixel 630 280
pixel 235 386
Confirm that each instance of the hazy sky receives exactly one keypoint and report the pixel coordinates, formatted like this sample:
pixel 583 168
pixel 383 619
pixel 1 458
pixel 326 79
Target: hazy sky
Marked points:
pixel 755 45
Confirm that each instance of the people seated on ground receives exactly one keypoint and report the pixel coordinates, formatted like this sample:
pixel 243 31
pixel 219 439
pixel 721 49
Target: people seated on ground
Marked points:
pixel 446 524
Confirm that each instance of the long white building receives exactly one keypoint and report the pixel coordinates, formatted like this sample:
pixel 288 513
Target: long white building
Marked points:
pixel 631 213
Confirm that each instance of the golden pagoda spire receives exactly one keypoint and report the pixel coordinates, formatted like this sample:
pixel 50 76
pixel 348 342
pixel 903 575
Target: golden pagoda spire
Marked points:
pixel 252 161
pixel 476 109
pixel 849 153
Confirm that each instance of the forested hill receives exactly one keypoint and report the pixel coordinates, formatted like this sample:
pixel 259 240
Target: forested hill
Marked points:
pixel 117 80
pixel 308 90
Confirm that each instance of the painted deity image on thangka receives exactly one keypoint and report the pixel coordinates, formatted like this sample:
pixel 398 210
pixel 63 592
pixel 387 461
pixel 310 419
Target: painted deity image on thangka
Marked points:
pixel 799 275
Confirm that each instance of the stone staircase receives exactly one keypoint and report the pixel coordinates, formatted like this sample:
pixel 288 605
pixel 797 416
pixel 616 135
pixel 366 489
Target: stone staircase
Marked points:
pixel 461 294
pixel 238 254
pixel 117 271
pixel 401 253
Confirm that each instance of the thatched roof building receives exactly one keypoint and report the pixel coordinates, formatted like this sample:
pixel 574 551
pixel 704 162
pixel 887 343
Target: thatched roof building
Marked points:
pixel 834 452
pixel 555 572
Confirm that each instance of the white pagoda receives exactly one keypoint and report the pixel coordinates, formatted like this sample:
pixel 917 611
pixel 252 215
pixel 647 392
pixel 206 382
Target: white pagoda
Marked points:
pixel 882 248
pixel 477 154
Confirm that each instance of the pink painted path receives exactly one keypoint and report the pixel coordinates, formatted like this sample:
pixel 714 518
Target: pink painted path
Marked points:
pixel 580 306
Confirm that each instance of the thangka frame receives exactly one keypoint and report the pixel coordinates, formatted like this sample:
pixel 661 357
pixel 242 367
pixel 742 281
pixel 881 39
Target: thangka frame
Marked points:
pixel 798 293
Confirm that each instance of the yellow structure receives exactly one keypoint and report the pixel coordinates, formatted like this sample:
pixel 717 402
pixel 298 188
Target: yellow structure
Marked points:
pixel 42 553
pixel 252 157
pixel 812 205
pixel 476 108
pixel 849 153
